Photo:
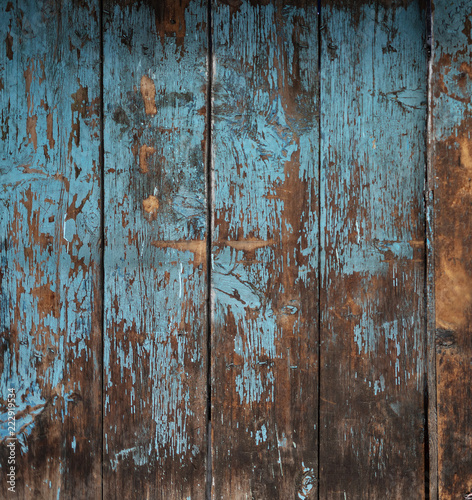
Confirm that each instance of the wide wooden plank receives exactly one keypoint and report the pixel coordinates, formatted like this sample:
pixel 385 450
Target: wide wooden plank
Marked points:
pixel 373 95
pixel 155 74
pixel 451 157
pixel 50 249
pixel 265 250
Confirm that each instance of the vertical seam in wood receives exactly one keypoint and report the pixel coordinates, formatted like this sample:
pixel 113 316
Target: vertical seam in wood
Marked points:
pixel 209 192
pixel 102 239
pixel 431 431
pixel 426 447
pixel 319 249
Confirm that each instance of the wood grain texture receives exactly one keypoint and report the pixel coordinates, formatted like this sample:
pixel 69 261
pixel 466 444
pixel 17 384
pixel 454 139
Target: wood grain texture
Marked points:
pixel 373 118
pixel 155 78
pixel 49 247
pixel 265 250
pixel 452 167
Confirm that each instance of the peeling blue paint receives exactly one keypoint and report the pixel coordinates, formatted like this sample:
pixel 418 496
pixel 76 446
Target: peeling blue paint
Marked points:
pixel 254 137
pixel 453 100
pixel 373 123
pixel 155 287
pixel 261 435
pixel 47 291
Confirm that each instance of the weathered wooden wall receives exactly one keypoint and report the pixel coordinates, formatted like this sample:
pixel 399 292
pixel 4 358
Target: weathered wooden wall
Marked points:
pixel 235 249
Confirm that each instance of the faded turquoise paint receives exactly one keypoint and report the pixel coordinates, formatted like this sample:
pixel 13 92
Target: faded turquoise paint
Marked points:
pixel 451 47
pixel 155 256
pixel 373 95
pixel 49 223
pixel 371 231
pixel 252 144
pixel 265 247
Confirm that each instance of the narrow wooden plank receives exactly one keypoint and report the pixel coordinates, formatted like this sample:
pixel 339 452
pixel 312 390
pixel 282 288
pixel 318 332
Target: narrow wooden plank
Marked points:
pixel 155 77
pixel 452 169
pixel 430 367
pixel 265 250
pixel 373 95
pixel 50 248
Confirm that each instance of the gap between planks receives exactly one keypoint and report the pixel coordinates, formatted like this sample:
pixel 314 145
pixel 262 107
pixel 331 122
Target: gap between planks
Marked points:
pixel 209 192
pixel 102 238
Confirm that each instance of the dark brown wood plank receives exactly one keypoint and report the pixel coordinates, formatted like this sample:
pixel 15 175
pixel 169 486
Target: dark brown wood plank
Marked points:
pixel 155 77
pixel 373 118
pixel 50 301
pixel 451 157
pixel 265 250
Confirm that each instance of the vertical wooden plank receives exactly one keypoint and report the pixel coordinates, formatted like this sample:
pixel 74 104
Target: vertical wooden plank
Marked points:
pixel 50 248
pixel 265 250
pixel 373 95
pixel 155 77
pixel 452 167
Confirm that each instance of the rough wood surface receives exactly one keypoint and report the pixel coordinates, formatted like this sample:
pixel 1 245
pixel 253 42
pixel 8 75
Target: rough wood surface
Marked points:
pixel 49 247
pixel 265 250
pixel 155 74
pixel 373 118
pixel 318 273
pixel 452 170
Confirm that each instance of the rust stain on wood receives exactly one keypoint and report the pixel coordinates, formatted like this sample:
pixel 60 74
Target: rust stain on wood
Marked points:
pixel 151 205
pixel 148 91
pixel 47 301
pixel 197 247
pixel 144 152
pixel 249 244
pixel 170 19
pixel 50 135
pixel 31 122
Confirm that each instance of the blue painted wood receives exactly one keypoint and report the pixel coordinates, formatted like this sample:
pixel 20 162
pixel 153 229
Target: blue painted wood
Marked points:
pixel 373 95
pixel 451 173
pixel 265 250
pixel 49 251
pixel 155 78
